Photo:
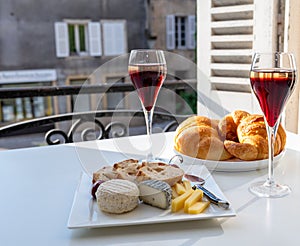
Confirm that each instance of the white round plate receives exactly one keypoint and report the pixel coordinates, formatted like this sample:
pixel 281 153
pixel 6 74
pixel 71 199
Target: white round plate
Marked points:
pixel 232 165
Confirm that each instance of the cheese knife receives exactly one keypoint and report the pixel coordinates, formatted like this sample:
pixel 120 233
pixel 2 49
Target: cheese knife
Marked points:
pixel 208 194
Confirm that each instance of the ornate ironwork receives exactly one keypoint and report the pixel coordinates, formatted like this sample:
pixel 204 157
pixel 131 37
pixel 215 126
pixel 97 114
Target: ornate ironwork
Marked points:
pixel 77 130
pixel 112 129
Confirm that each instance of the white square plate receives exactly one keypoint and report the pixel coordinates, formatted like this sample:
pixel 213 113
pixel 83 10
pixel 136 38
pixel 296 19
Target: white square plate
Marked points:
pixel 85 213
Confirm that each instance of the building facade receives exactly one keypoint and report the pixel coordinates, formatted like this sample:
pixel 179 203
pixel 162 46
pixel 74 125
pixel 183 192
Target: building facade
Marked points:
pixel 72 39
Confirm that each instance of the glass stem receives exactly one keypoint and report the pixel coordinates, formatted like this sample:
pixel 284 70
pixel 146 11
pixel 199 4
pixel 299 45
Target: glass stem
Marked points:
pixel 271 131
pixel 148 118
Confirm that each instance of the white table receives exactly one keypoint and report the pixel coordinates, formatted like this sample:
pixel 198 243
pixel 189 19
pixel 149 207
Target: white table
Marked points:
pixel 38 185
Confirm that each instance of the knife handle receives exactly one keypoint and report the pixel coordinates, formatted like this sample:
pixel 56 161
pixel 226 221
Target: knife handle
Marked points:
pixel 213 198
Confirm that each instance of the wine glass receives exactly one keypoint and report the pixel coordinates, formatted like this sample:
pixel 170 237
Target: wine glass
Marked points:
pixel 147 70
pixel 272 78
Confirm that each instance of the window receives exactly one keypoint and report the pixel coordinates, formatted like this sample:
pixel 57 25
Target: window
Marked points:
pixel 25 108
pixel 84 38
pixel 78 38
pixel 180 31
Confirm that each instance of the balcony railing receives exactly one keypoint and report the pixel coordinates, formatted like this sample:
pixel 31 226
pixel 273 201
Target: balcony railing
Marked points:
pixel 64 90
pixel 88 125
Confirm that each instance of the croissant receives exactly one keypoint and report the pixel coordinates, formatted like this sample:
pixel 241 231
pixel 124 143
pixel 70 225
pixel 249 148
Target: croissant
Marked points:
pixel 198 137
pixel 227 126
pixel 253 139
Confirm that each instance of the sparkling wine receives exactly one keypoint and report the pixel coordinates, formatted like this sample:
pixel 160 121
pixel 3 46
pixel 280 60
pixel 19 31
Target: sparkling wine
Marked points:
pixel 272 88
pixel 147 80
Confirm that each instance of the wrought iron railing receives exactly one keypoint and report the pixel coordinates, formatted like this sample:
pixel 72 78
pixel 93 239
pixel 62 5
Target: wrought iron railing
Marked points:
pixel 64 90
pixel 89 125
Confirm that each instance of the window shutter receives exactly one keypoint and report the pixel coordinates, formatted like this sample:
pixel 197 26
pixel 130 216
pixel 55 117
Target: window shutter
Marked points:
pixel 114 37
pixel 191 38
pixel 95 46
pixel 170 29
pixel 61 39
pixel 228 32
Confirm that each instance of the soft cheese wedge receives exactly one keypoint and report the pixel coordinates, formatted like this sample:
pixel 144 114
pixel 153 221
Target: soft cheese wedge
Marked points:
pixel 156 193
pixel 195 197
pixel 198 207
pixel 178 202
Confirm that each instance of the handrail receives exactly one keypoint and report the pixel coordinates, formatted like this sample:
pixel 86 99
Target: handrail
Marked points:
pixel 95 117
pixel 64 90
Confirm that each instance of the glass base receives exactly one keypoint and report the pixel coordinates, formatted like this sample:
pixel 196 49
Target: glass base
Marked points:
pixel 273 190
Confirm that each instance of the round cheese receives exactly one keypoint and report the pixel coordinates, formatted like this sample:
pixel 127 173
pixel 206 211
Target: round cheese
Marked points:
pixel 117 196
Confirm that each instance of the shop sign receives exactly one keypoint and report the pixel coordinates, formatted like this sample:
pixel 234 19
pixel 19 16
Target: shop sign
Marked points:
pixel 25 76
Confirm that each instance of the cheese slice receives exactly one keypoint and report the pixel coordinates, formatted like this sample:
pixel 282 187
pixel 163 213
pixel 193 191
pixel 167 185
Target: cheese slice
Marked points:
pixel 178 202
pixel 179 188
pixel 174 192
pixel 198 207
pixel 187 185
pixel 195 197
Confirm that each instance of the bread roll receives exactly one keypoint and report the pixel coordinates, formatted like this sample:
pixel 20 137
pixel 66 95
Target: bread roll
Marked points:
pixel 198 137
pixel 195 121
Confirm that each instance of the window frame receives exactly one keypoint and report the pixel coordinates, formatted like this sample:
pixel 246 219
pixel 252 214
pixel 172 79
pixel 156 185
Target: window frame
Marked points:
pixel 174 38
pixel 76 23
pixel 77 41
pixel 181 21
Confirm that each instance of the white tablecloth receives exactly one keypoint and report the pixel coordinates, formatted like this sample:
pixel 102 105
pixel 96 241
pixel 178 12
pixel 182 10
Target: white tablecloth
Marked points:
pixel 38 185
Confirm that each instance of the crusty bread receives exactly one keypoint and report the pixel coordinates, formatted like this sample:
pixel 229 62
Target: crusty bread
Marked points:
pixel 159 171
pixel 127 169
pixel 117 171
pixel 133 171
pixel 198 137
pixel 105 173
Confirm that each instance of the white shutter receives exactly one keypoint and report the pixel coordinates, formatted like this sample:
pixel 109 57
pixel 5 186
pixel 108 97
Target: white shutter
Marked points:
pixel 265 28
pixel 170 29
pixel 61 39
pixel 228 32
pixel 191 38
pixel 94 34
pixel 108 39
pixel 114 37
